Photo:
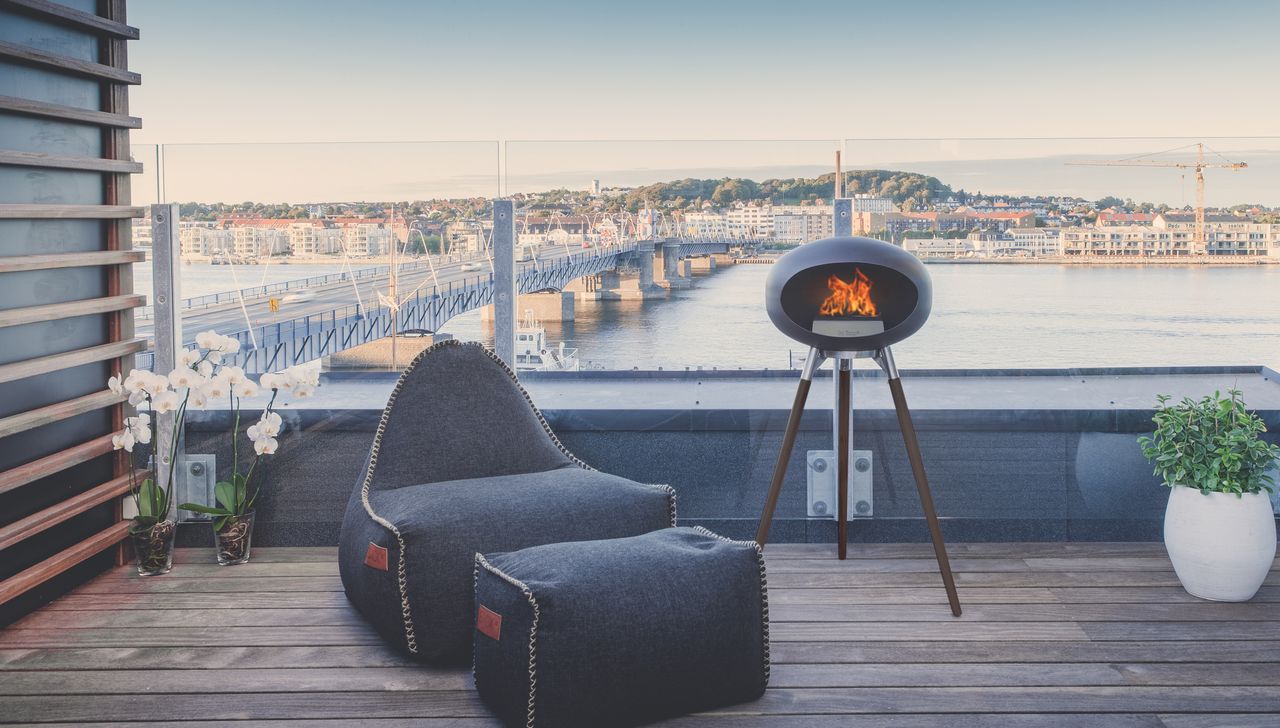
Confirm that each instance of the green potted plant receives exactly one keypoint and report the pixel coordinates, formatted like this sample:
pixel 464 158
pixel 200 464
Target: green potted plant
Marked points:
pixel 233 513
pixel 1219 528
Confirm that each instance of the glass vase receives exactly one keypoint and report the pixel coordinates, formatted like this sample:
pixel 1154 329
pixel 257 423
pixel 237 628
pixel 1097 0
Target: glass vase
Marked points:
pixel 154 548
pixel 234 539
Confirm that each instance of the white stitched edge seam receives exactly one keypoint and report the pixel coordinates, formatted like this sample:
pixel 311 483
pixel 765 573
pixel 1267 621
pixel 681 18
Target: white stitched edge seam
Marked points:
pixel 764 589
pixel 411 640
pixel 533 630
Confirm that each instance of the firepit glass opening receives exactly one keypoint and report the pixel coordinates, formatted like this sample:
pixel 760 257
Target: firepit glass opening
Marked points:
pixel 849 299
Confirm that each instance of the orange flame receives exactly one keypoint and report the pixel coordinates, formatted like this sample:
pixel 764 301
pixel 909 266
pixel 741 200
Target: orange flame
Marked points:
pixel 849 299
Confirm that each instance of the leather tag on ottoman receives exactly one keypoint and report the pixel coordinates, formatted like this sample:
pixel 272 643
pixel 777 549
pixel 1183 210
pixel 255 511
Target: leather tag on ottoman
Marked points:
pixel 622 631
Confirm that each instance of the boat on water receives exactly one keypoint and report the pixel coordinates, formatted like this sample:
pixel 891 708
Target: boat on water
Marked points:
pixel 534 354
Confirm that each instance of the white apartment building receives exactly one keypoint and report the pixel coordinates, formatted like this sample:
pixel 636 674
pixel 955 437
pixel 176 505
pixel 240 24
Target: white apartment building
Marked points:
pixel 704 224
pixel 203 240
pixel 365 239
pixel 750 221
pixel 940 247
pixel 1232 236
pixel 255 242
pixel 467 236
pixel 873 204
pixel 802 224
pixel 1033 242
pixel 312 238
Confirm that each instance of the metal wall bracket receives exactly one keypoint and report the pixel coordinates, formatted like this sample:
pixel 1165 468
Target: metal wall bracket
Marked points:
pixel 194 478
pixel 821 472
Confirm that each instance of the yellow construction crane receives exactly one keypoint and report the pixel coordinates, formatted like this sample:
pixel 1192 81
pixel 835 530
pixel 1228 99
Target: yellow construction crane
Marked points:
pixel 1199 166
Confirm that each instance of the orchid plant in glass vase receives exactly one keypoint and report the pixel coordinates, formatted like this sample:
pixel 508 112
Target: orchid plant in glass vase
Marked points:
pixel 201 377
pixel 232 512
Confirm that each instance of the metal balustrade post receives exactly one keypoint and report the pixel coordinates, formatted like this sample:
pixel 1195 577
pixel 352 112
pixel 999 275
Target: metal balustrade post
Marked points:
pixel 166 279
pixel 504 281
pixel 842 217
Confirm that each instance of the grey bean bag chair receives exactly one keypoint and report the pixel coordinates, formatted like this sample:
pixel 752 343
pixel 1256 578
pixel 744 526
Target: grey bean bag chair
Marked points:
pixel 463 463
pixel 620 632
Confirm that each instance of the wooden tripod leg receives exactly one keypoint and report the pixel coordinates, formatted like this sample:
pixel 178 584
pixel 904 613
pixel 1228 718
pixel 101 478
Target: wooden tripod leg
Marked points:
pixel 922 484
pixel 842 457
pixel 784 457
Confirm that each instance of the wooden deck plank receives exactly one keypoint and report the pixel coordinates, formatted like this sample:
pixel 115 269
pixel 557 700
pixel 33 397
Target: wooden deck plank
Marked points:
pixel 1025 651
pixel 1069 635
pixel 805 701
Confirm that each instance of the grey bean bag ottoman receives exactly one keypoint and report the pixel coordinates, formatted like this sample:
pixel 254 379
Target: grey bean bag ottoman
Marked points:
pixel 463 463
pixel 619 632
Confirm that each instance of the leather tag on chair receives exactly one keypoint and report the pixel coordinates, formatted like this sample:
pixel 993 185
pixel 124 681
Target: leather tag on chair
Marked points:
pixel 376 557
pixel 489 622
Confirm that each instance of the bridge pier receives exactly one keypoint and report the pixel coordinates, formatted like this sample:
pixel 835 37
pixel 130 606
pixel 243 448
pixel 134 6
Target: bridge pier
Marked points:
pixel 672 274
pixel 550 306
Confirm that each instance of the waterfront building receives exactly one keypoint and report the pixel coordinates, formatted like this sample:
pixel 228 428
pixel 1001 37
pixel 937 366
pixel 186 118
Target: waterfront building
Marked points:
pixel 940 247
pixel 1111 218
pixel 467 236
pixel 253 242
pixel 872 204
pixel 312 237
pixel 204 240
pixel 754 222
pixel 1174 235
pixel 365 239
pixel 801 224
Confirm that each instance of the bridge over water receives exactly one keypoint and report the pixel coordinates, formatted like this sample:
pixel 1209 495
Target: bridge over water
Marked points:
pixel 342 317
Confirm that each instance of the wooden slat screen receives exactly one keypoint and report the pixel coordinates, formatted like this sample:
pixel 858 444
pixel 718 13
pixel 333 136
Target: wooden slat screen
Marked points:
pixel 66 292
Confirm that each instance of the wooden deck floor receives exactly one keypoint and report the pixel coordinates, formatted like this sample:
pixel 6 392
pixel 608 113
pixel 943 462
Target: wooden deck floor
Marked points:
pixel 1053 635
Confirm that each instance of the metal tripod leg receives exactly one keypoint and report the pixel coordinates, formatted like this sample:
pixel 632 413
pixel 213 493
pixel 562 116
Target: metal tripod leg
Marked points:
pixel 885 359
pixel 843 405
pixel 811 365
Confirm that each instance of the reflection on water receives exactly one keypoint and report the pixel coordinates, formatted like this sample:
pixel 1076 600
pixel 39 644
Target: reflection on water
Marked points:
pixel 983 316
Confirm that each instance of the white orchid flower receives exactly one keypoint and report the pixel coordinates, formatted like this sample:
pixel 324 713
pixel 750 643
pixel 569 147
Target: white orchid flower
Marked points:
pixel 122 441
pixel 302 391
pixel 141 434
pixel 137 398
pixel 154 384
pixel 211 340
pixel 188 358
pixel 254 433
pixel 234 376
pixel 216 388
pixel 266 446
pixel 113 383
pixel 213 356
pixel 230 345
pixel 268 426
pixel 165 402
pixel 184 378
pixel 196 395
pixel 269 381
pixel 304 374
pixel 246 389
pixel 205 369
pixel 133 382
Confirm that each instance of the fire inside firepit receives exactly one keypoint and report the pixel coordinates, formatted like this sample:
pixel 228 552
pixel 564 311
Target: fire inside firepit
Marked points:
pixel 849 310
pixel 848 294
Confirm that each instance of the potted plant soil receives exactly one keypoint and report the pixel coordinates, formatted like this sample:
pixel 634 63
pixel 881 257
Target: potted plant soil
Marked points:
pixel 1219 528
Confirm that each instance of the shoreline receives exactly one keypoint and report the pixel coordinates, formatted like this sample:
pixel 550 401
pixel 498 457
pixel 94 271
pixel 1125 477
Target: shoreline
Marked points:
pixel 1251 261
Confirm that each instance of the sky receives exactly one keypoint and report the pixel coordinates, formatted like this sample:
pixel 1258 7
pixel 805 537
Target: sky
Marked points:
pixel 323 97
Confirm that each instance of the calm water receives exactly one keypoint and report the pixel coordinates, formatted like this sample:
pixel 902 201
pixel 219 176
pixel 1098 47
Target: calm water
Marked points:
pixel 983 316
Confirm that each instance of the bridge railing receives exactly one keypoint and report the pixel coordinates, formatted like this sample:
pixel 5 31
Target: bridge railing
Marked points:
pixel 271 289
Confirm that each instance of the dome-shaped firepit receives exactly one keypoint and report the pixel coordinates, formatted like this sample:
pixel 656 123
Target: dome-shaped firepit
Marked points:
pixel 848 294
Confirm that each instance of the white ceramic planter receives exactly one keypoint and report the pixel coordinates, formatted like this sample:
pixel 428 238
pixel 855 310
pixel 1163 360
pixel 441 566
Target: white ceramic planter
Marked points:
pixel 1221 545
